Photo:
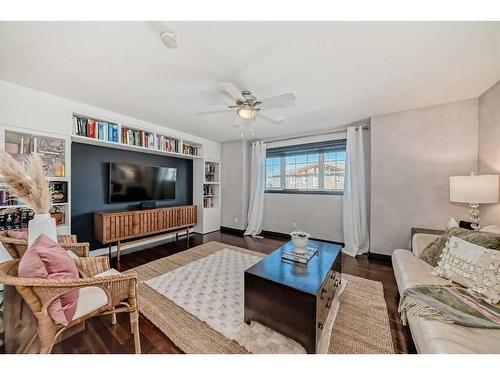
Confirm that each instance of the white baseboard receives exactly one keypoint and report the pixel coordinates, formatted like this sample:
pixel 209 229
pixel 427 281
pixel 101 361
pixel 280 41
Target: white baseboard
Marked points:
pixel 136 245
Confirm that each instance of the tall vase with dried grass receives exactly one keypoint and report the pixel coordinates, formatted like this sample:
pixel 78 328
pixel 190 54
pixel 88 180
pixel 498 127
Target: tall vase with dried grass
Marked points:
pixel 29 184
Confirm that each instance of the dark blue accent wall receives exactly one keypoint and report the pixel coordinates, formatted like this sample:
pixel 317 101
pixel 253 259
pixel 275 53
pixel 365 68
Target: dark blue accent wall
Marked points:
pixel 89 184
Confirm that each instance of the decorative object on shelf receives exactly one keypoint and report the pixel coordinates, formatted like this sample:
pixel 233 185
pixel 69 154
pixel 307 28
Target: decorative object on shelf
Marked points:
pixel 303 257
pixel 59 190
pixel 299 239
pixel 475 190
pixel 30 185
pixel 50 149
pixel 57 212
pixel 11 148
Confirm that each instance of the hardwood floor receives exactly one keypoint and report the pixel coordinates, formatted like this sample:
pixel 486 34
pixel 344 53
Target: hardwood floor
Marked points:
pixel 102 337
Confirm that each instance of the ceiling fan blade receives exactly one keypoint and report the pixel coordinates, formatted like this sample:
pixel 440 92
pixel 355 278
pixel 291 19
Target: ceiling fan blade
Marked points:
pixel 276 118
pixel 214 109
pixel 279 100
pixel 231 90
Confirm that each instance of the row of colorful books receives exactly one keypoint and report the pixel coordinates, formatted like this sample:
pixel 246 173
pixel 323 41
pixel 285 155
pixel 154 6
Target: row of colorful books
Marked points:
pixel 137 138
pixel 15 219
pixel 191 150
pixel 7 199
pixel 90 128
pixel 168 144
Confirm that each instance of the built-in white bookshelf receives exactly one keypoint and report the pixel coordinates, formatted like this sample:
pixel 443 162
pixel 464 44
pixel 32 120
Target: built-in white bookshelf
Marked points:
pixel 211 189
pixel 206 175
pixel 205 178
pixel 54 152
pixel 86 129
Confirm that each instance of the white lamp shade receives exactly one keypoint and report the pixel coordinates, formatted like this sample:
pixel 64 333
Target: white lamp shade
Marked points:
pixel 474 189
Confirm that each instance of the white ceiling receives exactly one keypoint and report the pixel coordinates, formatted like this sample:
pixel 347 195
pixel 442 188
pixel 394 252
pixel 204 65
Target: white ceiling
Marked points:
pixel 339 71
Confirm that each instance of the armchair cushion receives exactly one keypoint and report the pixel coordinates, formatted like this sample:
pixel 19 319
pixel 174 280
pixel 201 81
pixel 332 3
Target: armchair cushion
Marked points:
pixel 92 298
pixel 46 259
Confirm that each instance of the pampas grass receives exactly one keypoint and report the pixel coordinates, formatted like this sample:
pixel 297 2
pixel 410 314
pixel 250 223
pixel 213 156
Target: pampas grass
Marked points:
pixel 28 184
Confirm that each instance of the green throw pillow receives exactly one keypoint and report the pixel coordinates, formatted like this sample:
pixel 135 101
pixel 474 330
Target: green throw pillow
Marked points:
pixel 432 252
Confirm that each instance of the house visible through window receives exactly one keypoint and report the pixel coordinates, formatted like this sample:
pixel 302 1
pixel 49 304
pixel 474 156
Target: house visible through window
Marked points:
pixel 313 167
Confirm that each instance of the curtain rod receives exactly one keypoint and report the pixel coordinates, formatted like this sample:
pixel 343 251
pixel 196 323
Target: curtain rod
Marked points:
pixel 333 131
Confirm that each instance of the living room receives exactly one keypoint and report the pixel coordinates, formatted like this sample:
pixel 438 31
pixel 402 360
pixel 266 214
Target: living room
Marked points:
pixel 176 186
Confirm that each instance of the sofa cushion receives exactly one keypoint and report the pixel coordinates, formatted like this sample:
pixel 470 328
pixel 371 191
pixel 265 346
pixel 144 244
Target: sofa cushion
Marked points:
pixel 420 241
pixel 471 266
pixel 410 271
pixel 432 253
pixel 433 336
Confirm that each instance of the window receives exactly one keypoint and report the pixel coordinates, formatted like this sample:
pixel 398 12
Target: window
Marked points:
pixel 314 167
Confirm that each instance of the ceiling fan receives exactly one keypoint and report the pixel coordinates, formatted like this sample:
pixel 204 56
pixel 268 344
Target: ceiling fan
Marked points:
pixel 247 106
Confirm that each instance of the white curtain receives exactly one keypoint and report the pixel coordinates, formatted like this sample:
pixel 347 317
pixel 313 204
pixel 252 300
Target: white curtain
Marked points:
pixel 257 188
pixel 355 204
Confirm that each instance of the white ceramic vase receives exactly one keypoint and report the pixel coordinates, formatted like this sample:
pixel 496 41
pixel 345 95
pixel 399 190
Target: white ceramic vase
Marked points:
pixel 41 224
pixel 299 240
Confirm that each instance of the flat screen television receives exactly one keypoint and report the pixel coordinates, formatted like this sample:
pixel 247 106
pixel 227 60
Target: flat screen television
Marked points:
pixel 134 183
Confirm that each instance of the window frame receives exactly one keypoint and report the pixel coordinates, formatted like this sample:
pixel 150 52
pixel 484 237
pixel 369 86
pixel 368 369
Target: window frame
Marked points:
pixel 319 148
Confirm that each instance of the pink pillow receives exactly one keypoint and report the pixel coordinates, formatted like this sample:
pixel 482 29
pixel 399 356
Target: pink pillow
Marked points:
pixel 46 259
pixel 18 234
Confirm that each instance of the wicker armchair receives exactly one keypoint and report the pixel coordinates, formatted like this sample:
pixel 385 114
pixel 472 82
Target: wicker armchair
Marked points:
pixel 17 248
pixel 38 293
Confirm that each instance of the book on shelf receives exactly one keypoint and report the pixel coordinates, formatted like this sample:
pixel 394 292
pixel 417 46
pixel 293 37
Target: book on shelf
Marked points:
pixel 16 219
pixel 168 144
pixel 90 128
pixel 7 199
pixel 191 150
pixel 26 145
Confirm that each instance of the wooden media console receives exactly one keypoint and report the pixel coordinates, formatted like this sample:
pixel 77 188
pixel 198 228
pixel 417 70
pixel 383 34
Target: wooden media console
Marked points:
pixel 118 226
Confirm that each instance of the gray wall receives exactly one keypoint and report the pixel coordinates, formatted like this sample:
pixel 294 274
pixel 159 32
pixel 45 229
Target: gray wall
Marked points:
pixel 235 174
pixel 319 215
pixel 413 153
pixel 489 146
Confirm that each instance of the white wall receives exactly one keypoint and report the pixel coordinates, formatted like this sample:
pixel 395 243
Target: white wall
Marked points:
pixel 31 109
pixel 234 184
pixel 413 153
pixel 489 146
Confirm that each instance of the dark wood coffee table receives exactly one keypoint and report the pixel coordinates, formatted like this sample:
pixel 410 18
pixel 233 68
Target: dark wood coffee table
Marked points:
pixel 292 298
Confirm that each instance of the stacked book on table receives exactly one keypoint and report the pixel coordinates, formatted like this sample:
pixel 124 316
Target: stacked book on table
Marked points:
pixel 289 254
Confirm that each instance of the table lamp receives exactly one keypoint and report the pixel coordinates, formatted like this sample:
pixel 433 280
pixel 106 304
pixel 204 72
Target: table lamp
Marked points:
pixel 475 190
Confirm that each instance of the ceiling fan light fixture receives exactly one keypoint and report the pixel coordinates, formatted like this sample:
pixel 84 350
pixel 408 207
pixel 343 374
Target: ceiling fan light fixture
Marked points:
pixel 246 112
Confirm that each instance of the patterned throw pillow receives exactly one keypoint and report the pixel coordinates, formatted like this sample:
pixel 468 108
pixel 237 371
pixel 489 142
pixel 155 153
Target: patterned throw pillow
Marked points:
pixel 472 266
pixel 432 252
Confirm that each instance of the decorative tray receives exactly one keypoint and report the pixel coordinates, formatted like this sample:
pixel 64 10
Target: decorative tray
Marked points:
pixel 288 254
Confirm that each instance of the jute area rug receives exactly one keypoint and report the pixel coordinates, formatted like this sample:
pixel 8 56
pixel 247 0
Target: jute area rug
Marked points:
pixel 361 326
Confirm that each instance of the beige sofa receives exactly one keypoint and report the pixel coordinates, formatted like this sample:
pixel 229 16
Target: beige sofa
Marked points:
pixel 431 336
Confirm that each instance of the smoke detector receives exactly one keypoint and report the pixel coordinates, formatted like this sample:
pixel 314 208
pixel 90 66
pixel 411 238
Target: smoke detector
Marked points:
pixel 169 39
